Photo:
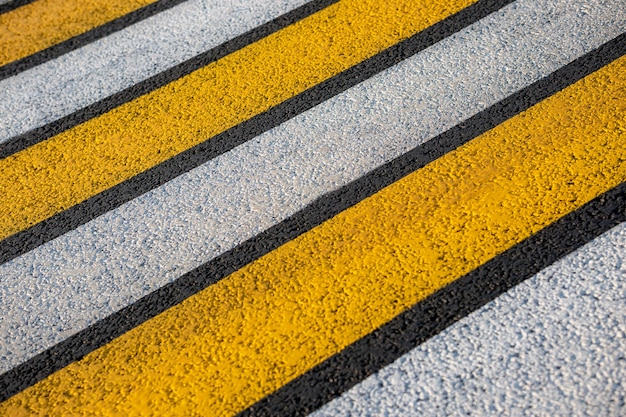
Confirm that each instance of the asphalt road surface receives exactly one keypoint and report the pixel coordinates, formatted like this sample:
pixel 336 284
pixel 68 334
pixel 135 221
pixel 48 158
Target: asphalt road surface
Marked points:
pixel 326 207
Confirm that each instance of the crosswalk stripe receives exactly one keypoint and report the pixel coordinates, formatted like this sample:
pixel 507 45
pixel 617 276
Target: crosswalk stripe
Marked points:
pixel 324 290
pixel 530 349
pixel 433 315
pixel 193 218
pixel 119 146
pixel 87 76
pixel 39 25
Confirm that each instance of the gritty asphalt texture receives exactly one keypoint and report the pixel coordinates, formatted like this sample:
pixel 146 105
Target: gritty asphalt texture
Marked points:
pixel 537 330
pixel 113 197
pixel 553 346
pixel 77 346
pixel 153 240
pixel 115 68
pixel 76 42
pixel 418 324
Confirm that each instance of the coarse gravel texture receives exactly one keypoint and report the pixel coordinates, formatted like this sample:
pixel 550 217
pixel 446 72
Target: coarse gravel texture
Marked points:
pixel 552 346
pixel 115 259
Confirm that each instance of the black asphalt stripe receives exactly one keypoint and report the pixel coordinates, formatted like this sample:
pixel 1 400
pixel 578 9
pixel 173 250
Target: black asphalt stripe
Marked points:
pixel 83 39
pixel 324 208
pixel 405 332
pixel 40 134
pixel 12 5
pixel 114 197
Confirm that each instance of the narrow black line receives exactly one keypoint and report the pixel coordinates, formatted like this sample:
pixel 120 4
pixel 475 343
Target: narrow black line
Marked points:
pixel 55 51
pixel 12 5
pixel 98 108
pixel 112 198
pixel 405 332
pixel 324 208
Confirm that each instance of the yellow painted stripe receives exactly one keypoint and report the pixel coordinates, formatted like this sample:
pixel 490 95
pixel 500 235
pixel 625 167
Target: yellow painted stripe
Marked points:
pixel 233 343
pixel 44 23
pixel 81 162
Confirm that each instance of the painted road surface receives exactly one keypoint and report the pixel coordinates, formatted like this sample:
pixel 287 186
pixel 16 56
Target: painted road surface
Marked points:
pixel 527 352
pixel 337 206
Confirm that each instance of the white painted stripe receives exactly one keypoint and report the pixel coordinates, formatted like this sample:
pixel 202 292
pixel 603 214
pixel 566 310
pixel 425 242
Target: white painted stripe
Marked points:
pixel 553 346
pixel 67 284
pixel 57 88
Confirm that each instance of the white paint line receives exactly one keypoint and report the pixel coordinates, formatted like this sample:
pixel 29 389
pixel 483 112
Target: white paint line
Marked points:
pixel 553 346
pixel 65 285
pixel 82 77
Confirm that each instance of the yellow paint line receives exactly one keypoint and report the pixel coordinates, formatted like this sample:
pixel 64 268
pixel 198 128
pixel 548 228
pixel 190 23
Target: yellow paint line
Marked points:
pixel 44 23
pixel 67 169
pixel 242 338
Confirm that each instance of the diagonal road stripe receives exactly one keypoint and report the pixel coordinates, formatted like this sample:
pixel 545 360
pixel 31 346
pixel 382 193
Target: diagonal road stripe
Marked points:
pixel 39 25
pixel 159 80
pixel 92 73
pixel 317 294
pixel 530 350
pixel 59 173
pixel 155 239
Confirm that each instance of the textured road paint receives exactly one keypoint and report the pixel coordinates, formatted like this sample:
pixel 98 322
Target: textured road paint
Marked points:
pixel 187 222
pixel 448 305
pixel 186 67
pixel 552 346
pixel 413 326
pixel 233 343
pixel 98 32
pixel 114 197
pixel 56 174
pixel 57 88
pixel 43 23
